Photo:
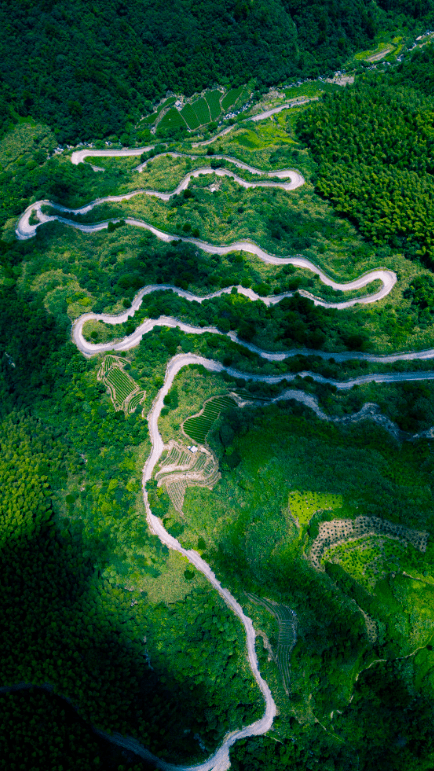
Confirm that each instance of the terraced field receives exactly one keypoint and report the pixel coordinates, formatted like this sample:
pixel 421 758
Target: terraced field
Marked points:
pixel 198 426
pixel 213 99
pixel 231 97
pixel 172 119
pixel 202 110
pixel 124 391
pixel 190 117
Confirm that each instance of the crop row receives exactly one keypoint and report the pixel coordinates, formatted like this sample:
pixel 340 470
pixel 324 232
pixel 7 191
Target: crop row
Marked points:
pixel 135 401
pixel 121 383
pixel 198 426
pixel 202 110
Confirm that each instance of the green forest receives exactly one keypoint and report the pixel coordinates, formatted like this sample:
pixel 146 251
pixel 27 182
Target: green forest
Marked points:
pixel 89 71
pixel 105 631
pixel 374 149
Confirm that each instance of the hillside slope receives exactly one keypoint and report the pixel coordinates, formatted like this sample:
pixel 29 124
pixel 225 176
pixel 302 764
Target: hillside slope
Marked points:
pixel 87 70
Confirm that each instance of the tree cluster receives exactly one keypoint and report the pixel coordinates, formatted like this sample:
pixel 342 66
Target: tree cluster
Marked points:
pixel 374 148
pixel 92 72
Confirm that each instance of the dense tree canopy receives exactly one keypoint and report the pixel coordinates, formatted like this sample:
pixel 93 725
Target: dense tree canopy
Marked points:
pixel 374 148
pixel 89 71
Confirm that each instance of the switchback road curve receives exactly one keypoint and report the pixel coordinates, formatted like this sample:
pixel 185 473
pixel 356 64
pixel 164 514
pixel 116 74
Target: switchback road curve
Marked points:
pixel 220 760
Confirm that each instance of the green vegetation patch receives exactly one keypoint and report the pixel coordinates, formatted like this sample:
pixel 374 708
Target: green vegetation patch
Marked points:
pixel 377 169
pixel 200 106
pixel 190 117
pixel 172 119
pixel 28 142
pixel 198 426
pixel 303 505
pixel 124 391
pixel 213 99
pixel 375 54
pixel 370 558
pixel 231 97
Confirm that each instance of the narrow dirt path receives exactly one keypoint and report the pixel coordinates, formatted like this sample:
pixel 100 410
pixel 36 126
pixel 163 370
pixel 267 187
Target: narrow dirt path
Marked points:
pixel 25 229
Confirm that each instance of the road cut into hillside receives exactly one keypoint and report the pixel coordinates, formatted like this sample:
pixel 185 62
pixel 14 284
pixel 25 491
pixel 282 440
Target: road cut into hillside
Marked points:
pixel 274 110
pixel 26 229
pixel 220 760
pixel 79 156
pixel 297 178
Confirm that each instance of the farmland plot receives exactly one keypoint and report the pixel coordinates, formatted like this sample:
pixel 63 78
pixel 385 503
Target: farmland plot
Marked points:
pixel 213 99
pixel 231 97
pixel 198 426
pixel 181 468
pixel 124 391
pixel 172 119
pixel 202 111
pixel 190 117
pixel 287 620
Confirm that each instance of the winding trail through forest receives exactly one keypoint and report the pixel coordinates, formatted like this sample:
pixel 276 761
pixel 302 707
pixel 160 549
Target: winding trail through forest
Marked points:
pixel 220 760
pixel 79 156
pixel 130 341
pixel 26 229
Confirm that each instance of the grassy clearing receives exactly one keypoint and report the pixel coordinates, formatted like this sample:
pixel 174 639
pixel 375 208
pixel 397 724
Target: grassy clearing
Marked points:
pixel 379 52
pixel 311 89
pixel 303 505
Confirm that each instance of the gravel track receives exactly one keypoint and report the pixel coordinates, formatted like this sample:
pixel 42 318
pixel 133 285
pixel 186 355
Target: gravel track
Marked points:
pixel 275 110
pixel 26 230
pixel 220 760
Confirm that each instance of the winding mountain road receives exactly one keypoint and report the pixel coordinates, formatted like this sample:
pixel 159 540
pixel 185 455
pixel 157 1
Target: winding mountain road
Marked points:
pixel 79 156
pixel 25 229
pixel 288 106
pixel 131 341
pixel 220 760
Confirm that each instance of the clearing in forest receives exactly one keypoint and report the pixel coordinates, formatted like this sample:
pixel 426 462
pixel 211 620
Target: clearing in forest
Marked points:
pixel 124 391
pixel 303 505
